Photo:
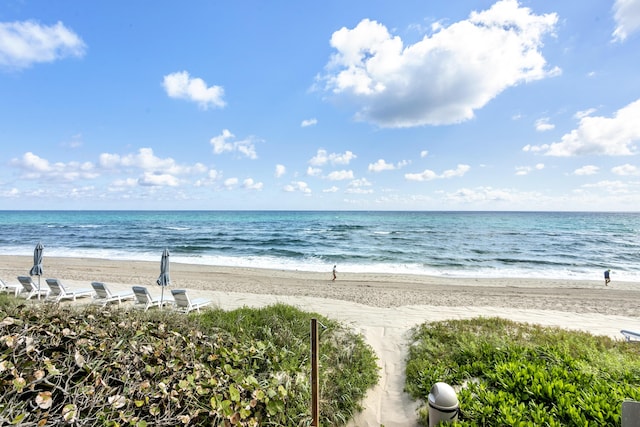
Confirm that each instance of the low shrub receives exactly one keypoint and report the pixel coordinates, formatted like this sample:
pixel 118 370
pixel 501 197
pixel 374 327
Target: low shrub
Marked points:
pixel 110 367
pixel 511 373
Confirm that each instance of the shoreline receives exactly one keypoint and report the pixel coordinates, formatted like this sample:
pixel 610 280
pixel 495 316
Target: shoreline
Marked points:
pixel 372 289
pixel 382 307
pixel 540 271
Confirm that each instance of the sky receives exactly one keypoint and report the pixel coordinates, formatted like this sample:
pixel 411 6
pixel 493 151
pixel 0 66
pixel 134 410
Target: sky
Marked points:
pixel 332 105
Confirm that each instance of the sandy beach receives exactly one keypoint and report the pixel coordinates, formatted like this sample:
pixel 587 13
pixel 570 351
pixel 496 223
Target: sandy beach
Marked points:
pixel 383 307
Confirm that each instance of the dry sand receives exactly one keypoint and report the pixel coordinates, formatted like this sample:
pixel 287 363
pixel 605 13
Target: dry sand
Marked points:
pixel 383 307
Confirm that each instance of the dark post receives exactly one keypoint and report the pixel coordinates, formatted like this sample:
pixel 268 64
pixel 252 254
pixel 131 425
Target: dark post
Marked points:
pixel 315 400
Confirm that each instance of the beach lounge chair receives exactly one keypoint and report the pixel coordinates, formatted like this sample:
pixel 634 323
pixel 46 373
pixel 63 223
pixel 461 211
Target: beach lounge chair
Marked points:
pixel 186 304
pixel 104 296
pixel 10 288
pixel 30 289
pixel 630 335
pixel 146 301
pixel 60 292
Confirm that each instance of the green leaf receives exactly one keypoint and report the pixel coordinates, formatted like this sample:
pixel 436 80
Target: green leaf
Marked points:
pixel 234 394
pixel 227 409
pixel 19 383
pixel 18 419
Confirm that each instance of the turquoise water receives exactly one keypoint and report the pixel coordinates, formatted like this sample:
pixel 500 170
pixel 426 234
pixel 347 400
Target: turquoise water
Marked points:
pixel 482 244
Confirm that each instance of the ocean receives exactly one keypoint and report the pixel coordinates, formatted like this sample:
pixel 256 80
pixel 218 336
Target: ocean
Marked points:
pixel 455 244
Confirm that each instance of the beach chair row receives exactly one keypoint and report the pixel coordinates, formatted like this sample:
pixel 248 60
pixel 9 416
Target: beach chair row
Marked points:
pixel 100 293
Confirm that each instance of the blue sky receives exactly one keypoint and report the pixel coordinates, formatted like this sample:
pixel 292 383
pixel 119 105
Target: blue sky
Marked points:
pixel 354 105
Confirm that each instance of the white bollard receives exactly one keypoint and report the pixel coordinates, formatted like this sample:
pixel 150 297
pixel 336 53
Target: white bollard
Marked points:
pixel 630 413
pixel 443 404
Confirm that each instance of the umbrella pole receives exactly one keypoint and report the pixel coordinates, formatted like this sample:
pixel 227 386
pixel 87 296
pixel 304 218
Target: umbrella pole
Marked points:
pixel 38 287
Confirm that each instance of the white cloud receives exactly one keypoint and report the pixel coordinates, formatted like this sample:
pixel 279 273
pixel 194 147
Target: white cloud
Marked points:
pixel 314 171
pixel 424 153
pixel 322 158
pixel 181 85
pixel 381 165
pixel 626 13
pixel 158 179
pixel 626 170
pixel 615 136
pixel 35 167
pixel 359 183
pixel 212 176
pixel 146 160
pixel 358 190
pixel 586 170
pixel 523 170
pixel 222 144
pixel 128 182
pixel 580 114
pixel 614 187
pixel 359 186
pixel 543 125
pixel 33 163
pixel 340 175
pixel 250 184
pixel 280 171
pixel 309 122
pixel 535 148
pixel 230 183
pixel 25 43
pixel 444 77
pixel 486 195
pixel 10 193
pixel 342 159
pixel 428 175
pixel 333 189
pixel 526 170
pixel 297 186
pixel 156 171
pixel 458 171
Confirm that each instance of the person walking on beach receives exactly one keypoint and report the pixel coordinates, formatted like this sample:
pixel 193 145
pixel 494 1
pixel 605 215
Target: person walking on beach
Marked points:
pixel 607 277
pixel 334 274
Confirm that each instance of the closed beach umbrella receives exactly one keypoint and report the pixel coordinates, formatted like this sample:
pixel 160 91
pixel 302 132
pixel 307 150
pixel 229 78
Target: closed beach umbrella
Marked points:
pixel 164 279
pixel 36 270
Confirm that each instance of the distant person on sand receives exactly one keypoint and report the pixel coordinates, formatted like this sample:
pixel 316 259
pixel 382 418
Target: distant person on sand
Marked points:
pixel 607 278
pixel 334 274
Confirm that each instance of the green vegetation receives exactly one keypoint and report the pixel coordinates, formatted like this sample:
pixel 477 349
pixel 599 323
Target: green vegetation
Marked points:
pixel 524 375
pixel 109 367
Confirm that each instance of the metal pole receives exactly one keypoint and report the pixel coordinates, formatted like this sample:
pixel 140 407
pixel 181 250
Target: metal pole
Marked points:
pixel 315 400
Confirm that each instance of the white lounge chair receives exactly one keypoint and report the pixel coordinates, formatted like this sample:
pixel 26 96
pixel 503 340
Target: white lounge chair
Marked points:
pixel 630 335
pixel 186 304
pixel 59 292
pixel 146 301
pixel 104 296
pixel 30 289
pixel 10 288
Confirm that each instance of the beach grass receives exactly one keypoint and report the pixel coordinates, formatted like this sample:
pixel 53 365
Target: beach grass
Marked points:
pixel 248 367
pixel 510 373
